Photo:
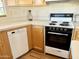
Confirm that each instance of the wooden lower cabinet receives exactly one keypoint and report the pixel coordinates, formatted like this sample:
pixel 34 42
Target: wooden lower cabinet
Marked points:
pixel 35 40
pixel 5 51
pixel 70 57
pixel 38 37
pixel 29 33
pixel 76 34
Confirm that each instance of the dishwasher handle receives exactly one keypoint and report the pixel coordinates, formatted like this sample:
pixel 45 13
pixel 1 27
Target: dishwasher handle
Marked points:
pixel 12 32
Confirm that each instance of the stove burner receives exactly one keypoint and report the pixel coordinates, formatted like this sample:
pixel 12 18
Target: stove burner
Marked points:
pixel 64 24
pixel 54 22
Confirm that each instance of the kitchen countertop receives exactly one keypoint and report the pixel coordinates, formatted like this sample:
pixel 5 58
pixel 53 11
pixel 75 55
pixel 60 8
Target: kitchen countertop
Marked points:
pixel 11 25
pixel 75 49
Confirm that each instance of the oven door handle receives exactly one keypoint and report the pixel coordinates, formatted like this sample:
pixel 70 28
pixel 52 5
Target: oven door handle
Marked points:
pixel 58 33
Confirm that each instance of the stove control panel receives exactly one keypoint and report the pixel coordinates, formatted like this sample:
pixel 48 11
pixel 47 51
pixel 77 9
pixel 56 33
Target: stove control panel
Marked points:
pixel 58 29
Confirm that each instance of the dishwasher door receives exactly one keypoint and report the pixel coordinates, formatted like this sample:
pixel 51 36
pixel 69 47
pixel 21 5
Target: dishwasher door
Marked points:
pixel 18 41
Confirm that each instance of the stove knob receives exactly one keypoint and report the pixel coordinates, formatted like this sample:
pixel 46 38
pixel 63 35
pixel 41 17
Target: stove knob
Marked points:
pixel 65 29
pixel 53 28
pixel 57 29
pixel 49 28
pixel 61 29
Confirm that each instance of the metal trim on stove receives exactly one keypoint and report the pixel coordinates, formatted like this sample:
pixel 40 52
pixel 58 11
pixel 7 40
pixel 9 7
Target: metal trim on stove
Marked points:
pixel 57 52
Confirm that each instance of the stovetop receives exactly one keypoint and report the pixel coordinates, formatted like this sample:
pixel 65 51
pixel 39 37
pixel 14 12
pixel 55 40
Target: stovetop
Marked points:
pixel 64 23
pixel 61 24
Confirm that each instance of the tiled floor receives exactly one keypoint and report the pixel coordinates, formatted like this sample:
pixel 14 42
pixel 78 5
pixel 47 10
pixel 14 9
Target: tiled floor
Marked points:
pixel 37 55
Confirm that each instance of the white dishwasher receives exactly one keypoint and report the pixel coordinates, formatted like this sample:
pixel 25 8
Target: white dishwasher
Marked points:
pixel 18 41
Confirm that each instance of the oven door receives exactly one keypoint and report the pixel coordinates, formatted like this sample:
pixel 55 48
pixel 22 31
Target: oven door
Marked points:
pixel 58 40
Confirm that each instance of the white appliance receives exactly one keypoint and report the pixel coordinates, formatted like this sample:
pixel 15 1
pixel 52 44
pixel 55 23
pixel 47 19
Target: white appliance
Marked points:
pixel 18 41
pixel 58 34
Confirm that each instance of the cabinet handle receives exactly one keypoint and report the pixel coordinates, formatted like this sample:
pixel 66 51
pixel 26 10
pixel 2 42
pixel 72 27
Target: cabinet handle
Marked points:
pixel 13 32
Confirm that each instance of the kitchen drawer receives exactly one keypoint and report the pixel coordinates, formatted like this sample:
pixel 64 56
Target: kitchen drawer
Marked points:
pixel 57 52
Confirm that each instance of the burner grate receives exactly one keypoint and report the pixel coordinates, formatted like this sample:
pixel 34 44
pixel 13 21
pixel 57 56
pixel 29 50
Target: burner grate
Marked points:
pixel 64 24
pixel 53 23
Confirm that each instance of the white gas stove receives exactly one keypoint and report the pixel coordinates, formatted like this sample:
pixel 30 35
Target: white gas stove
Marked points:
pixel 58 34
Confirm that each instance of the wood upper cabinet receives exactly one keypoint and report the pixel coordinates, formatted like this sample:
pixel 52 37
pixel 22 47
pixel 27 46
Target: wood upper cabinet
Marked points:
pixel 38 37
pixel 19 2
pixel 39 2
pixel 5 51
pixel 11 2
pixel 25 2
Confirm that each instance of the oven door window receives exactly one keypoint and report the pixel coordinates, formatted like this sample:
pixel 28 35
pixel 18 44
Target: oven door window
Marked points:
pixel 58 40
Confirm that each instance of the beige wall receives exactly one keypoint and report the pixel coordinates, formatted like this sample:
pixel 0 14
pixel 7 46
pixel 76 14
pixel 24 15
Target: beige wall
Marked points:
pixel 39 13
pixel 15 14
pixel 43 12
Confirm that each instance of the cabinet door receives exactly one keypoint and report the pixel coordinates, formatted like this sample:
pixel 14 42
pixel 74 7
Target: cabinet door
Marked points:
pixel 74 34
pixel 25 2
pixel 70 57
pixel 11 2
pixel 38 40
pixel 38 2
pixel 5 51
pixel 77 34
pixel 29 33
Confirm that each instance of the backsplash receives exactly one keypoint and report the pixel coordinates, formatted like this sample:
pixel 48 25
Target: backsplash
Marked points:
pixel 43 12
pixel 15 14
pixel 39 13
